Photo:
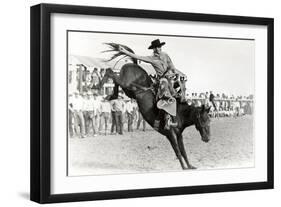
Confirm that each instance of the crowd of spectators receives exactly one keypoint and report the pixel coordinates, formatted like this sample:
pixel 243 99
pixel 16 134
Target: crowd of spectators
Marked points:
pixel 91 113
pixel 222 105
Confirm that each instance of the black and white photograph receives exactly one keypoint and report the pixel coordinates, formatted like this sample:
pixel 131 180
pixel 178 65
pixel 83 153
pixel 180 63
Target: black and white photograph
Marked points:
pixel 156 103
pixel 130 103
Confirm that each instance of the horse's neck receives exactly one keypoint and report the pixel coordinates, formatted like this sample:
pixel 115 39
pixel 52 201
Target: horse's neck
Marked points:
pixel 187 114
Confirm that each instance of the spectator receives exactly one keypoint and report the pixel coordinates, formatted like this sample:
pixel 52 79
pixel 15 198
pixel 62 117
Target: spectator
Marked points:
pixel 237 107
pixel 118 107
pixel 113 118
pixel 96 104
pixel 206 99
pixel 129 112
pixel 141 119
pixel 212 100
pixel 72 80
pixel 79 122
pixel 70 116
pixel 89 113
pixel 135 112
pixel 105 110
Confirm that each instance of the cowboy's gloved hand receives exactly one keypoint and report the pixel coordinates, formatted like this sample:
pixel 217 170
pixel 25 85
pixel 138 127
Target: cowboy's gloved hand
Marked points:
pixel 183 78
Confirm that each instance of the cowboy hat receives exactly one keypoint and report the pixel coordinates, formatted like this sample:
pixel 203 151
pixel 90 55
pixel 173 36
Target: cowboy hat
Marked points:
pixel 156 43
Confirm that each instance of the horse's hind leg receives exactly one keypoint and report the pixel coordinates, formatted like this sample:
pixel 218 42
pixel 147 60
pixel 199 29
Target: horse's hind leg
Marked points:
pixel 183 152
pixel 173 140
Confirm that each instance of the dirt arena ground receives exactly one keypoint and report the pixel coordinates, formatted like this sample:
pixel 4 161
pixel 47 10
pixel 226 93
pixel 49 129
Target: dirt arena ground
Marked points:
pixel 231 146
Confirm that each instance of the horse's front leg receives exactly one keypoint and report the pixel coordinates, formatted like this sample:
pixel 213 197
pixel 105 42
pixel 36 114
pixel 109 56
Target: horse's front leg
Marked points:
pixel 172 137
pixel 183 152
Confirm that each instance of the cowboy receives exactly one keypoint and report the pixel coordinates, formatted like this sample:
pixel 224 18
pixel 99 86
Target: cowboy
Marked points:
pixel 162 65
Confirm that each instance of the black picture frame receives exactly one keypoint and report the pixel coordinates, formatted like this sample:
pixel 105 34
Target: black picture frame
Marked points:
pixel 41 102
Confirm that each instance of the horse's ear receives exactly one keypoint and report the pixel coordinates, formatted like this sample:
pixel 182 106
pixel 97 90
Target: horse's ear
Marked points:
pixel 203 108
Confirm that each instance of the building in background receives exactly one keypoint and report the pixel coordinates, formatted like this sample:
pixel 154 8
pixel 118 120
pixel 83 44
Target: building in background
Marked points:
pixel 83 72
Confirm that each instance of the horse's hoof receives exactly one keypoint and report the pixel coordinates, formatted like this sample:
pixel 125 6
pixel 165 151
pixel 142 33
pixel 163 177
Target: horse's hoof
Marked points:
pixel 190 167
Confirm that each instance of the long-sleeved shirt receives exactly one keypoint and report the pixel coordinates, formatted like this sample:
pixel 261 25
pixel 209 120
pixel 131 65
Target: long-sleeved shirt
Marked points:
pixel 88 105
pixel 77 103
pixel 105 107
pixel 96 104
pixel 129 107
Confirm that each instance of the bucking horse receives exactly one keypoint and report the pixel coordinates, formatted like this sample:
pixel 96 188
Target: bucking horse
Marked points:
pixel 137 84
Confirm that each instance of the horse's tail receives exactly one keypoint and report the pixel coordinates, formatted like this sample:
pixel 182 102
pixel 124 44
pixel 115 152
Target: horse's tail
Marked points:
pixel 114 48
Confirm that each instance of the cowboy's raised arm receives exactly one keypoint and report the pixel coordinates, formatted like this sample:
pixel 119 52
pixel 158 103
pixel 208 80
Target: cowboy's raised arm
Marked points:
pixel 142 58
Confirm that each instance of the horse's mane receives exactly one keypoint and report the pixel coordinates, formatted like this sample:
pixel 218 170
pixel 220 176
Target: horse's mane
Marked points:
pixel 114 48
pixel 188 108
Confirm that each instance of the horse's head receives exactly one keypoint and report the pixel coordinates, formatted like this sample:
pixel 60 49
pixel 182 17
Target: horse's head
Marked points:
pixel 202 123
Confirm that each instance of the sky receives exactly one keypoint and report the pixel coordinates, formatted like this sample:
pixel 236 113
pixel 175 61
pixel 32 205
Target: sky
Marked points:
pixel 211 64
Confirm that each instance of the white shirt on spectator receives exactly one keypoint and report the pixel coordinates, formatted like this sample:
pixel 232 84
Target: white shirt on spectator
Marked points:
pixel 77 103
pixel 129 107
pixel 105 107
pixel 88 105
pixel 96 104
